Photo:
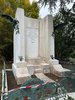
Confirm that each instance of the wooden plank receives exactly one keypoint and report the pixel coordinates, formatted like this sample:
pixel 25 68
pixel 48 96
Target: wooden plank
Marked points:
pixel 44 77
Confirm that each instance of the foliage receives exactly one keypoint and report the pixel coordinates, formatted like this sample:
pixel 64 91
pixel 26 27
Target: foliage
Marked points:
pixel 6 29
pixel 70 98
pixel 31 10
pixel 64 23
pixel 52 3
pixel 5 38
pixel 34 13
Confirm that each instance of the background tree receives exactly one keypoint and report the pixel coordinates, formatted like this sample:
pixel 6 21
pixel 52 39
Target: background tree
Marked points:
pixel 6 29
pixel 31 10
pixel 64 23
pixel 52 3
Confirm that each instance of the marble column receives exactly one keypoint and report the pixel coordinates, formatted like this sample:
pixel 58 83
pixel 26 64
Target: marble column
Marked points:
pixel 19 38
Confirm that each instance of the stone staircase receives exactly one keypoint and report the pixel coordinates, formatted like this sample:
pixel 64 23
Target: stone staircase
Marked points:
pixel 37 66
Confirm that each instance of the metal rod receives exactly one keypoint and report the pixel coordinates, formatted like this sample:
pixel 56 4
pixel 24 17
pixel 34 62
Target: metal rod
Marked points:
pixel 4 81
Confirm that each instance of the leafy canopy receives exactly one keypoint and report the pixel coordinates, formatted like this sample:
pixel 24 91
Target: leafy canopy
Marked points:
pixel 64 23
pixel 52 3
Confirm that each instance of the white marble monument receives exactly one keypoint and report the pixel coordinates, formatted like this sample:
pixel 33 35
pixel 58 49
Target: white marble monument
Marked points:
pixel 33 46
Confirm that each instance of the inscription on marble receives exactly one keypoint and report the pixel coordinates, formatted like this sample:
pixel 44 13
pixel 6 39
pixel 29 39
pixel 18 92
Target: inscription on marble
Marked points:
pixel 32 42
pixel 32 34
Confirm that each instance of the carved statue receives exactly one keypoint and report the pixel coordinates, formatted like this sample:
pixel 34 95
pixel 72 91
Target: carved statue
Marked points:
pixel 14 21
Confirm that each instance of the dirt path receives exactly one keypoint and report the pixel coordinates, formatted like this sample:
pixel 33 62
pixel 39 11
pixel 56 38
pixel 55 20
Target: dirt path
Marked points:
pixel 11 80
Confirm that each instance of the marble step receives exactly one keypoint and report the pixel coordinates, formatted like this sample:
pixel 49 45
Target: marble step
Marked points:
pixel 43 77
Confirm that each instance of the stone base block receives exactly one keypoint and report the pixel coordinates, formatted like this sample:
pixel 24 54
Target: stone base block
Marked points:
pixel 34 69
pixel 46 67
pixel 54 61
pixel 58 70
pixel 21 73
pixel 41 68
pixel 38 70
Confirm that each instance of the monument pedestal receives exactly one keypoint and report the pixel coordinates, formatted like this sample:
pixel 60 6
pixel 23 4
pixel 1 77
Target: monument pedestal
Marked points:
pixel 33 46
pixel 55 61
